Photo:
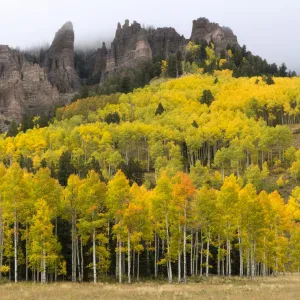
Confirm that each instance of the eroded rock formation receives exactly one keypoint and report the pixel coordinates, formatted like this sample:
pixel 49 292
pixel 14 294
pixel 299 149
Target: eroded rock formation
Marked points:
pixel 203 29
pixel 59 61
pixel 24 88
pixel 133 44
pixel 27 88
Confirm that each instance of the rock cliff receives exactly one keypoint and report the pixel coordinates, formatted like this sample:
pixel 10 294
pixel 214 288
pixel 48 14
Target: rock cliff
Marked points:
pixel 28 88
pixel 203 29
pixel 59 60
pixel 24 88
pixel 133 44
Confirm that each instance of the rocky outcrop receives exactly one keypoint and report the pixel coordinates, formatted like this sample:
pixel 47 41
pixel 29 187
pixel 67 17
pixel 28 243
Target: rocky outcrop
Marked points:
pixel 24 88
pixel 133 44
pixel 165 41
pixel 28 88
pixel 59 61
pixel 100 60
pixel 203 29
pixel 129 48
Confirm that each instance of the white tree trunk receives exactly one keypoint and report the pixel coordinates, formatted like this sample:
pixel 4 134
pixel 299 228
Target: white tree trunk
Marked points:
pixel 120 260
pixel 16 247
pixel 207 254
pixel 184 254
pixel 179 265
pixel 94 256
pixel 155 256
pixel 129 258
pixel 168 253
pixel 73 247
pixel 241 253
pixel 43 275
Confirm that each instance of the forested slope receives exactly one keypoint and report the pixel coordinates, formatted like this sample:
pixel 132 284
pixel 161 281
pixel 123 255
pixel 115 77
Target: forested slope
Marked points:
pixel 183 177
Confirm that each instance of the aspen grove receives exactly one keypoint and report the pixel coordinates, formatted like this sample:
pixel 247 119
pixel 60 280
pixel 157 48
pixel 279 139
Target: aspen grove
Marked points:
pixel 180 179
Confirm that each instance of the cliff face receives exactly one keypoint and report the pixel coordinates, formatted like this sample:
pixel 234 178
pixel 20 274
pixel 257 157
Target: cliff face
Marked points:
pixel 24 88
pixel 213 33
pixel 129 48
pixel 133 44
pixel 59 61
pixel 33 89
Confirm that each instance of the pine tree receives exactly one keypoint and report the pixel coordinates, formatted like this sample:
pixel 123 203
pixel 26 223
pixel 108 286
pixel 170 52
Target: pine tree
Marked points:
pixel 160 109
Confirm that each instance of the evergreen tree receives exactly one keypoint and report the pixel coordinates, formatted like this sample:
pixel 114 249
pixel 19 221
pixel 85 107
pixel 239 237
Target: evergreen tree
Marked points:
pixel 65 168
pixel 207 98
pixel 195 124
pixel 282 70
pixel 172 70
pixel 268 80
pixel 112 118
pixel 12 129
pixel 160 109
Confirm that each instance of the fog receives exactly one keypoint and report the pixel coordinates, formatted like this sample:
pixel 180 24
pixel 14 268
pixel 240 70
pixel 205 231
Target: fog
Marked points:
pixel 268 28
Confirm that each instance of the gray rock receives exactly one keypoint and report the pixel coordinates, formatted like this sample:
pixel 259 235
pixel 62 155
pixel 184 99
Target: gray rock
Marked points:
pixel 24 88
pixel 59 61
pixel 203 29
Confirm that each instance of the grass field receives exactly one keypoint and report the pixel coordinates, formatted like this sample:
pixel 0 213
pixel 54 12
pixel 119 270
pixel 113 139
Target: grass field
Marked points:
pixel 282 287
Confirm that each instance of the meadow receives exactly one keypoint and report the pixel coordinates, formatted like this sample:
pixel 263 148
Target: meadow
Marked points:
pixel 280 287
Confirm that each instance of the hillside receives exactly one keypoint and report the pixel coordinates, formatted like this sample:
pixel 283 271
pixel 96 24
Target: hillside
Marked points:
pixel 35 82
pixel 188 176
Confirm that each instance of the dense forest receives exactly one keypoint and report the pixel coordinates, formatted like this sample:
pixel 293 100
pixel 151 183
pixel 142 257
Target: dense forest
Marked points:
pixel 182 178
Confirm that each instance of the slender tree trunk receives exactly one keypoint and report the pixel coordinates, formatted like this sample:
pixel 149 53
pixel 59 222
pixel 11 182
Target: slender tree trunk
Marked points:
pixel 207 254
pixel 241 253
pixel 218 263
pixel 16 247
pixel 129 256
pixel 26 253
pixel 248 262
pixel 264 259
pixel 81 256
pixel 253 260
pixel 94 256
pixel 117 260
pixel 229 257
pixel 155 255
pixel 78 259
pixel 55 268
pixel 184 251
pixel 197 253
pixel 201 254
pixel 133 263
pixel 138 267
pixel 120 260
pixel 74 267
pixel 179 265
pixel 43 274
pixel 223 262
pixel 168 252
pixel 191 254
